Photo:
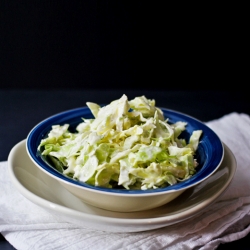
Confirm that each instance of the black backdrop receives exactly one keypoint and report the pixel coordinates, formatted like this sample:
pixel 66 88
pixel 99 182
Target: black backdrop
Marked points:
pixel 121 44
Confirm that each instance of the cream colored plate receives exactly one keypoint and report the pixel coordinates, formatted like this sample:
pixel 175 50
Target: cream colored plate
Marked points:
pixel 47 193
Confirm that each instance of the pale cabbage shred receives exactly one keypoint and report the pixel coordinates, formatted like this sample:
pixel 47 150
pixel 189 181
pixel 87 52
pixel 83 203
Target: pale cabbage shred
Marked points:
pixel 128 143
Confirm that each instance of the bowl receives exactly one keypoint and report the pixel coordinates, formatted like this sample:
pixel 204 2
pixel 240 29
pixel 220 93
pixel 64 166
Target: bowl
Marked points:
pixel 209 155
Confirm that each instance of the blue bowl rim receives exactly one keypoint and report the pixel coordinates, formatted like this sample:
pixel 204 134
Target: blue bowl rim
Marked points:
pixel 210 142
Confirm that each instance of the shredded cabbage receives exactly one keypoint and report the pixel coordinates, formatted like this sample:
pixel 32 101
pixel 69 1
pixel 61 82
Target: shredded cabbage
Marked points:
pixel 128 144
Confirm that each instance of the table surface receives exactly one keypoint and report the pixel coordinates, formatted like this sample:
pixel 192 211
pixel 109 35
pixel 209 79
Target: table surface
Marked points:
pixel 22 109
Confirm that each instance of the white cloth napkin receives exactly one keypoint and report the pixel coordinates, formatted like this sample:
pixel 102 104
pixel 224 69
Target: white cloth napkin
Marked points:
pixel 27 226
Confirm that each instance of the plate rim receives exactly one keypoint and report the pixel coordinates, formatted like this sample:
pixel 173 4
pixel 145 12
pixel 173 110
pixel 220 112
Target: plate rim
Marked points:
pixel 157 222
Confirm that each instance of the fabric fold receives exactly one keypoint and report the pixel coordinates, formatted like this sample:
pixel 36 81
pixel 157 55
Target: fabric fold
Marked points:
pixel 26 226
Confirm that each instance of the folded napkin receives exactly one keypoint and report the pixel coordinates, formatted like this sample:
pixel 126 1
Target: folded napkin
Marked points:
pixel 27 226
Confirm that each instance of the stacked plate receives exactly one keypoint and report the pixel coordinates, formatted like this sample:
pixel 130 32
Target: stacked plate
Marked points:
pixel 45 192
pixel 43 189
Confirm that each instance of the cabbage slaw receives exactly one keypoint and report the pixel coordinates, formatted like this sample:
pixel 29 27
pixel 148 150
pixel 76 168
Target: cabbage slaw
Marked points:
pixel 128 144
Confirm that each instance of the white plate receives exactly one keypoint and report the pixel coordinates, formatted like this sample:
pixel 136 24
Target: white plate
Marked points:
pixel 47 193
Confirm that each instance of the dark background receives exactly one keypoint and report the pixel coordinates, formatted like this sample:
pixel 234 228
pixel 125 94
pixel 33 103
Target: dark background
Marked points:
pixel 122 44
pixel 56 55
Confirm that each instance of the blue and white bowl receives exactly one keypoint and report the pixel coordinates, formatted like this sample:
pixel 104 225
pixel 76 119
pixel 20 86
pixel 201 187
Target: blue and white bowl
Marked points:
pixel 209 155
